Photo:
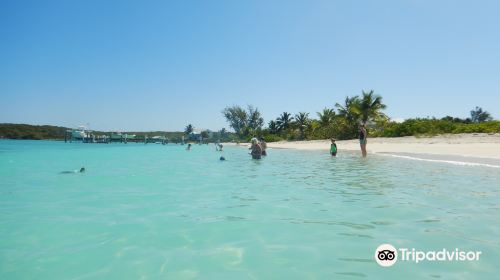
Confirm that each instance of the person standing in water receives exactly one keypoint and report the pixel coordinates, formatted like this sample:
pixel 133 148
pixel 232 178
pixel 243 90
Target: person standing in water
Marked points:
pixel 189 147
pixel 263 145
pixel 362 139
pixel 333 148
pixel 256 149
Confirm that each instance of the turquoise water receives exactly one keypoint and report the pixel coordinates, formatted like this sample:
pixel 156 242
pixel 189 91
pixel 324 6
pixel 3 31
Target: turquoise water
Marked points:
pixel 161 212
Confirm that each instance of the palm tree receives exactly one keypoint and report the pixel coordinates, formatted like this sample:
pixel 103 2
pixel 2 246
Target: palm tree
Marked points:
pixel 348 111
pixel 302 120
pixel 313 126
pixel 189 129
pixel 369 107
pixel 273 127
pixel 326 117
pixel 284 121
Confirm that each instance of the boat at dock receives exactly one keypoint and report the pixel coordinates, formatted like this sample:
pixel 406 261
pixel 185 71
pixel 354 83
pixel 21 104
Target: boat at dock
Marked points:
pixel 80 133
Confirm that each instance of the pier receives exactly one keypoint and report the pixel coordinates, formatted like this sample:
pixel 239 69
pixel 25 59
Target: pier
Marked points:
pixel 87 136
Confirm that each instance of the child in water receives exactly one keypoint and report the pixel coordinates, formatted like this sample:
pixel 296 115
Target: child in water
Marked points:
pixel 333 148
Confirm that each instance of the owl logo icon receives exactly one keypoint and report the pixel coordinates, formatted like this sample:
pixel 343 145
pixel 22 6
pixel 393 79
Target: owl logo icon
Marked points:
pixel 386 255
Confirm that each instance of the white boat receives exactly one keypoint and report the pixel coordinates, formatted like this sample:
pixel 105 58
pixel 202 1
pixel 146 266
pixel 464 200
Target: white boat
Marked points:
pixel 79 133
pixel 158 139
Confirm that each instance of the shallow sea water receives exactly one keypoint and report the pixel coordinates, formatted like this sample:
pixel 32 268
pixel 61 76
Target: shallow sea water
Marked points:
pixel 161 212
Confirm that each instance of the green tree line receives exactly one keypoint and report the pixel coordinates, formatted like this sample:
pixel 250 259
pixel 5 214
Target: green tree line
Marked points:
pixel 32 132
pixel 343 121
pixel 49 132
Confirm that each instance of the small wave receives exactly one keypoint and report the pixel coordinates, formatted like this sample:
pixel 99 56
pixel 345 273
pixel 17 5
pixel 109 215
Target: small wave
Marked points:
pixel 462 163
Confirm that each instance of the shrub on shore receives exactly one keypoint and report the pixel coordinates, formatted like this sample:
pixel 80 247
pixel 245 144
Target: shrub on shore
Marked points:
pixel 415 127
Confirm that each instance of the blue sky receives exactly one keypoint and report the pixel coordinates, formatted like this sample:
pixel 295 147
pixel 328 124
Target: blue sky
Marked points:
pixel 159 65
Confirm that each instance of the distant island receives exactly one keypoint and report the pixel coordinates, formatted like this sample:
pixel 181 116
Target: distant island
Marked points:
pixel 50 132
pixel 31 132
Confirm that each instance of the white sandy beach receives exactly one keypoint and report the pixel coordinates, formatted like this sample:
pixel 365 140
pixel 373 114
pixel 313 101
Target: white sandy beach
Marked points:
pixel 471 148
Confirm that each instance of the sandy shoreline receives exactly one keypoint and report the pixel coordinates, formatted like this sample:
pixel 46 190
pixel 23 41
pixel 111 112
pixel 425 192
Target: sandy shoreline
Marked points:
pixel 470 148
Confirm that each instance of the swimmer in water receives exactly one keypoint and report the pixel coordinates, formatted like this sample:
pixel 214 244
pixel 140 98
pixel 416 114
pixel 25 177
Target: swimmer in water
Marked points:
pixel 218 146
pixel 74 171
pixel 222 158
pixel 188 147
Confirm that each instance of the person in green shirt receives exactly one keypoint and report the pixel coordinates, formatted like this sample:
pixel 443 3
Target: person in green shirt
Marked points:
pixel 333 148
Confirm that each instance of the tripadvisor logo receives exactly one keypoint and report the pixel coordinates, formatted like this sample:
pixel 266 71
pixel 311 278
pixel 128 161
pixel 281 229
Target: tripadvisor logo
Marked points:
pixel 387 255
